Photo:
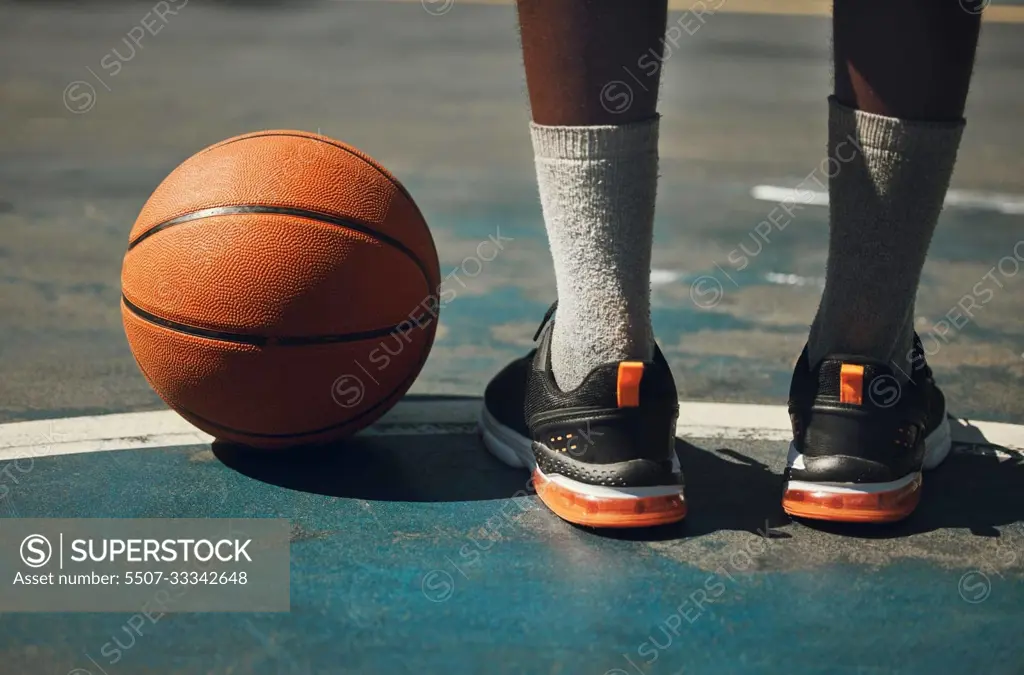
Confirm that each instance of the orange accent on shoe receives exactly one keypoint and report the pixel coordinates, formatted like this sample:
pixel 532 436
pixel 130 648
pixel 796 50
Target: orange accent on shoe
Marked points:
pixel 593 511
pixel 851 384
pixel 881 507
pixel 628 388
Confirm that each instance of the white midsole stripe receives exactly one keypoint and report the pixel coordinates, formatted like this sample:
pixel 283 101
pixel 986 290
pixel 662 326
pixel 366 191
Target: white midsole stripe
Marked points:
pixel 848 489
pixel 604 492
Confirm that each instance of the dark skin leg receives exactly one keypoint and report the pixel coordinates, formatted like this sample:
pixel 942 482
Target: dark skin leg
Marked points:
pixel 910 59
pixel 575 52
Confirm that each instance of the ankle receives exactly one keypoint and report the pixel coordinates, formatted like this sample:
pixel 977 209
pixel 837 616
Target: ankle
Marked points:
pixel 577 349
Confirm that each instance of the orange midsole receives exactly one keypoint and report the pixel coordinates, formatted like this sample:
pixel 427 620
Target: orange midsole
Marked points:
pixel 594 511
pixel 853 507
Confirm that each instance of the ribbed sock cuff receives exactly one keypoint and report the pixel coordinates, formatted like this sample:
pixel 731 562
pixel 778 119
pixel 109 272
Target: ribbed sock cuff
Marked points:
pixel 597 142
pixel 892 134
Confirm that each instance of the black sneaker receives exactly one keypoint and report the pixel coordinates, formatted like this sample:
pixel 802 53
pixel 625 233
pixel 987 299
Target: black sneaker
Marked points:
pixel 861 438
pixel 603 454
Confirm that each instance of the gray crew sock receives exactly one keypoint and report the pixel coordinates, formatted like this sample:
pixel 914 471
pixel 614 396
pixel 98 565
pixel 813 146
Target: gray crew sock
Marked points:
pixel 885 199
pixel 597 188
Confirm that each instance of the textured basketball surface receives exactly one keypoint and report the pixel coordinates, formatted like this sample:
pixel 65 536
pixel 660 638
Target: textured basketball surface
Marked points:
pixel 280 289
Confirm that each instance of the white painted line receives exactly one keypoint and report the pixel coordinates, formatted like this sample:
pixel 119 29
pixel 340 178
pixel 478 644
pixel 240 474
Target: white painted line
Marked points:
pixel 662 277
pixel 124 431
pixel 774 193
pixel 986 201
pixel 1009 204
pixel 164 428
pixel 783 279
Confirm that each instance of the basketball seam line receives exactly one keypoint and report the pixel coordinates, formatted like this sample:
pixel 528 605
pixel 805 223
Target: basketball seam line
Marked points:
pixel 354 152
pixel 406 384
pixel 317 216
pixel 266 341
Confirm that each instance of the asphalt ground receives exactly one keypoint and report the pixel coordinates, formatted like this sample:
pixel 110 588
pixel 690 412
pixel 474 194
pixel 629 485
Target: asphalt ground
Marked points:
pixel 440 100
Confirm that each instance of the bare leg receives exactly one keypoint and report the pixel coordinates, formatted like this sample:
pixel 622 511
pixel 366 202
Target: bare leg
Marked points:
pixel 573 48
pixel 910 59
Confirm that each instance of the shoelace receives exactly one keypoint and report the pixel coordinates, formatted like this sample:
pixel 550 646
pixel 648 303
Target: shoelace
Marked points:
pixel 547 317
pixel 919 350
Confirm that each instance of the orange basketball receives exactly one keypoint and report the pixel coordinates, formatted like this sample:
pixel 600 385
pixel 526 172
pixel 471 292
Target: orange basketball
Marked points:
pixel 280 289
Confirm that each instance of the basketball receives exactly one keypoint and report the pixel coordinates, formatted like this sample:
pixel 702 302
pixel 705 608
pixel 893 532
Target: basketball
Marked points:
pixel 280 289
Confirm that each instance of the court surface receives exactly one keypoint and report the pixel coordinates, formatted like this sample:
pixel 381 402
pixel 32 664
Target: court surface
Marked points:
pixel 411 552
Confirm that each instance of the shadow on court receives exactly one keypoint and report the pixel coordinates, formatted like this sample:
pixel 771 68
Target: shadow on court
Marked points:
pixel 976 489
pixel 733 488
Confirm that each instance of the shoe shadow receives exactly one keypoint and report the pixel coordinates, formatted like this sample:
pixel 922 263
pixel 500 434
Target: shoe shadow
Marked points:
pixel 725 490
pixel 977 489
pixel 446 465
